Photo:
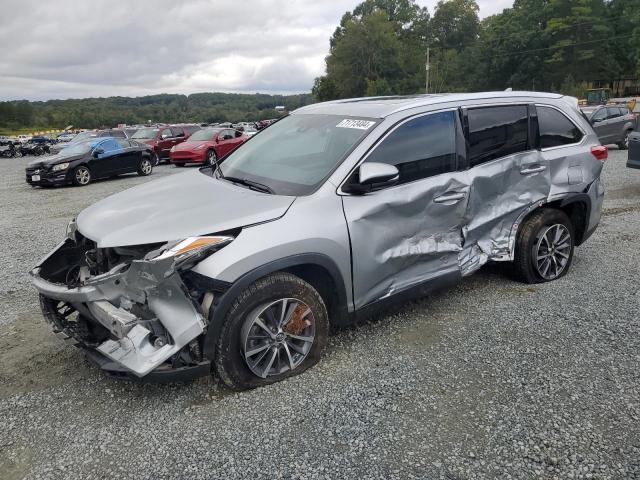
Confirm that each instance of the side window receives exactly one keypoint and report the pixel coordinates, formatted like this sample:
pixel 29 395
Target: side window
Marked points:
pixel 599 115
pixel 227 134
pixel 420 148
pixel 177 131
pixel 118 133
pixel 166 133
pixel 496 132
pixel 624 111
pixel 556 129
pixel 613 112
pixel 109 146
pixel 124 143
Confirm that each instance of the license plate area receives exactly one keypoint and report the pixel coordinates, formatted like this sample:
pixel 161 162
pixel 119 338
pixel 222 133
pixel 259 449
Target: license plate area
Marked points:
pixel 35 178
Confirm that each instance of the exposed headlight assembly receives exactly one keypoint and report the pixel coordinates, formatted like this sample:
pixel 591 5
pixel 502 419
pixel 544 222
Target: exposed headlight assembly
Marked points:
pixel 193 249
pixel 60 166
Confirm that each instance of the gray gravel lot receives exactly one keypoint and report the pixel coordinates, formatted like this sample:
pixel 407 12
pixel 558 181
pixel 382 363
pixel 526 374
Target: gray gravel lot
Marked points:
pixel 491 379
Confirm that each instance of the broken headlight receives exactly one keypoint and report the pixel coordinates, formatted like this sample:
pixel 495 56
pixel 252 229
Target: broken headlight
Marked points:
pixel 193 249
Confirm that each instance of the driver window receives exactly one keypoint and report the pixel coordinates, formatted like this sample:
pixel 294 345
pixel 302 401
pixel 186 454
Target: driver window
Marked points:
pixel 166 133
pixel 420 148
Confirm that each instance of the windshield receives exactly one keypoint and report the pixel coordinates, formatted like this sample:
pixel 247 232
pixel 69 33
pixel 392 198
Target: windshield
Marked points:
pixel 76 149
pixel 84 136
pixel 146 133
pixel 206 134
pixel 294 155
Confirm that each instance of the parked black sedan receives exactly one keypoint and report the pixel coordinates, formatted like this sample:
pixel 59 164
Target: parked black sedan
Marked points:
pixel 83 162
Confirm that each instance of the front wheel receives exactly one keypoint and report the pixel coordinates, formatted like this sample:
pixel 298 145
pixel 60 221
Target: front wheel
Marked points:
pixel 145 168
pixel 81 176
pixel 155 159
pixel 278 327
pixel 211 158
pixel 544 247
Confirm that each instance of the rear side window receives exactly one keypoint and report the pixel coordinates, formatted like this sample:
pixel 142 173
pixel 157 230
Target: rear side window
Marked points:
pixel 420 148
pixel 496 132
pixel 556 129
pixel 118 133
pixel 599 115
pixel 614 112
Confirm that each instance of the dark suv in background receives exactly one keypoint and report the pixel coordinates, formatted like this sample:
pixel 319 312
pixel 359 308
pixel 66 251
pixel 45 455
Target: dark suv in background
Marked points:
pixel 163 138
pixel 612 124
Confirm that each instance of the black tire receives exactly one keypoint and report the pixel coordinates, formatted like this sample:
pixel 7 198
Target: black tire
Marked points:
pixel 155 159
pixel 210 158
pixel 179 165
pixel 79 179
pixel 624 144
pixel 145 167
pixel 230 364
pixel 529 240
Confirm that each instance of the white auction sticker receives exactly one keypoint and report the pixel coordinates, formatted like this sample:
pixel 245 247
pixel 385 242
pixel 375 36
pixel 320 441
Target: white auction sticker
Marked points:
pixel 359 124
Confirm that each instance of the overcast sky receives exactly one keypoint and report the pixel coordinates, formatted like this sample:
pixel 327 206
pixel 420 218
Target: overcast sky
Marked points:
pixel 75 49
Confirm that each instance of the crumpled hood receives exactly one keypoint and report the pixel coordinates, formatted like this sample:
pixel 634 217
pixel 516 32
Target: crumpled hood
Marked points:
pixel 177 207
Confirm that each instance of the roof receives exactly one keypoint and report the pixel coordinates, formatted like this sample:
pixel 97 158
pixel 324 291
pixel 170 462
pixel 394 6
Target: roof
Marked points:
pixel 380 107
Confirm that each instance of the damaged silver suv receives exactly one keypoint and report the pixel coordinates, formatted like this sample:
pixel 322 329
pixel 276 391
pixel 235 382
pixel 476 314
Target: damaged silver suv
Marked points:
pixel 239 269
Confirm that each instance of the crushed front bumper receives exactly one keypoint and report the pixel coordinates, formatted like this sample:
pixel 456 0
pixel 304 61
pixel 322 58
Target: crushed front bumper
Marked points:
pixel 142 308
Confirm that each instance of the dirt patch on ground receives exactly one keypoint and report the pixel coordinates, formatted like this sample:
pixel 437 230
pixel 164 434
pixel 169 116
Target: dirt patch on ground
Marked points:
pixel 32 358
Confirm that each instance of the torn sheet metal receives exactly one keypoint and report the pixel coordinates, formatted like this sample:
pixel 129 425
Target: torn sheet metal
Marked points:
pixel 403 237
pixel 151 283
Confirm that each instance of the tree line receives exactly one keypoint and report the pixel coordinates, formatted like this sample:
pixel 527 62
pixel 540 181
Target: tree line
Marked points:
pixel 106 112
pixel 380 47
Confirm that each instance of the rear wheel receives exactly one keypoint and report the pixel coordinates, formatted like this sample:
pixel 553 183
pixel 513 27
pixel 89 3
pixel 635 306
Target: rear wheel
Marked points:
pixel 624 145
pixel 544 247
pixel 81 175
pixel 145 168
pixel 278 327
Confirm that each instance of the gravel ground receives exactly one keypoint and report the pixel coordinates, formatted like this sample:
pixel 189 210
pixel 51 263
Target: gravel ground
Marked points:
pixel 491 379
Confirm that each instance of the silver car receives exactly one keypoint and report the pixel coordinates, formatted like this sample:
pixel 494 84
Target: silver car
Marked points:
pixel 239 269
pixel 613 124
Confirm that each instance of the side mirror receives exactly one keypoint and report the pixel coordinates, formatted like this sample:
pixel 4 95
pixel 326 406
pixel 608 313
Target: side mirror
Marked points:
pixel 373 176
pixel 97 152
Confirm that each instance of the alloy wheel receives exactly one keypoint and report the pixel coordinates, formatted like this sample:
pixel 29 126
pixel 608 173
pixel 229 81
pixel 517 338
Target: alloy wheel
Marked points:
pixel 83 175
pixel 146 167
pixel 553 251
pixel 277 337
pixel 211 158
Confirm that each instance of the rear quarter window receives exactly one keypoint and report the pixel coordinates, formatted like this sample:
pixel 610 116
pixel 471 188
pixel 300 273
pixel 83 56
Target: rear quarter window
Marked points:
pixel 496 132
pixel 556 129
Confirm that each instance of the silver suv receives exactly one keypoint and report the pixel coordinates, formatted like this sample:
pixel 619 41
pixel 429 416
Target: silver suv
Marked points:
pixel 613 124
pixel 239 269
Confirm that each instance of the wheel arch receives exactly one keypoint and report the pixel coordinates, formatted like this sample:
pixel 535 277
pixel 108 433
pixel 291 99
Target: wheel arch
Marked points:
pixel 577 206
pixel 318 270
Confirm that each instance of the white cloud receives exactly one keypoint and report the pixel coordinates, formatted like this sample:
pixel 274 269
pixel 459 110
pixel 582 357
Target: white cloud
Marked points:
pixel 71 49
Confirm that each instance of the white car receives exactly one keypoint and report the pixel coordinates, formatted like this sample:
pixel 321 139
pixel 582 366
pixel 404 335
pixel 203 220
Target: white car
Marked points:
pixel 24 138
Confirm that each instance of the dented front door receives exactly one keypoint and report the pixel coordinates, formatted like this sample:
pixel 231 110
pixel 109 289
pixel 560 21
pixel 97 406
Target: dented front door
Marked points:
pixel 410 233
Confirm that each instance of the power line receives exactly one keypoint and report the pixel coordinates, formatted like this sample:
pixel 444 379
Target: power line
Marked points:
pixel 562 46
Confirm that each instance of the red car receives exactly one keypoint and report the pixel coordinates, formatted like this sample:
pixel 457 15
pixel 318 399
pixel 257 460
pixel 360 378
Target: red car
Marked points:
pixel 162 139
pixel 207 146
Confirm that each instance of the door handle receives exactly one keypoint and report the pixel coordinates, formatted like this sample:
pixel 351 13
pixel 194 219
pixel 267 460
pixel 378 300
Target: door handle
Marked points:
pixel 527 171
pixel 454 197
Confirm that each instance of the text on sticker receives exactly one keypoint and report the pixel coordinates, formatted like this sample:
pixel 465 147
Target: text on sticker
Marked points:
pixel 359 124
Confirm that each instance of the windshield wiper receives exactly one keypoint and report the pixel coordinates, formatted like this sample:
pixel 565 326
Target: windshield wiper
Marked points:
pixel 261 187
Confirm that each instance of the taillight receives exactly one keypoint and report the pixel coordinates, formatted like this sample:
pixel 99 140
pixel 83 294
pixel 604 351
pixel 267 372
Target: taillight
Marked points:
pixel 600 152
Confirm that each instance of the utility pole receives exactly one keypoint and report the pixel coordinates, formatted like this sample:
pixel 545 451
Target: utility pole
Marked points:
pixel 428 67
